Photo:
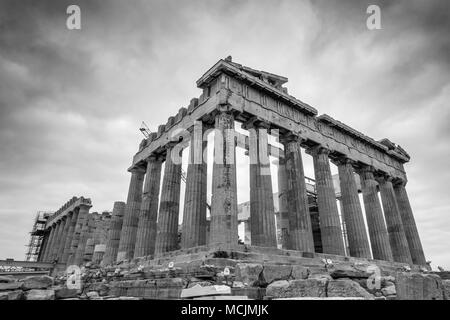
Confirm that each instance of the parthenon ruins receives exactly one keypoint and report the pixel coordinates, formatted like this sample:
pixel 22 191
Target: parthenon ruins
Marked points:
pixel 147 224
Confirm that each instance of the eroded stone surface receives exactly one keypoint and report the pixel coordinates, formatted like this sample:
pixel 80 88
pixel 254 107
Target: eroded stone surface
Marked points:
pixel 346 288
pixel 297 288
pixel 36 294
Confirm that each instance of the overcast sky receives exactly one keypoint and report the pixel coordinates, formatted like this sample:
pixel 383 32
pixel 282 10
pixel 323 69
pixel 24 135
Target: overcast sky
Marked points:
pixel 71 102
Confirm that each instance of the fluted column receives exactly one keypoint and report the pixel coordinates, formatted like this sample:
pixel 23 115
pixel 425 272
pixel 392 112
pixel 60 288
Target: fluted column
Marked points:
pixel 88 252
pixel 131 217
pixel 56 240
pixel 44 243
pixel 409 224
pixel 358 240
pixel 100 238
pixel 330 225
pixel 379 239
pixel 194 215
pixel 112 243
pixel 64 234
pixel 224 222
pixel 70 233
pixel 83 212
pixel 300 231
pixel 262 213
pixel 397 237
pixel 146 232
pixel 169 207
pixel 84 236
pixel 51 234
pixel 283 203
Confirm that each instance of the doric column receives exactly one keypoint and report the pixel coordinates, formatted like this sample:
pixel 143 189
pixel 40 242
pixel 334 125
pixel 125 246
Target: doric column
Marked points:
pixel 84 236
pixel 70 233
pixel 358 240
pixel 93 224
pixel 112 243
pixel 64 234
pixel 397 237
pixel 169 207
pixel 146 233
pixel 48 248
pixel 44 243
pixel 330 224
pixel 100 238
pixel 47 244
pixel 409 224
pixel 224 222
pixel 194 215
pixel 379 239
pixel 83 212
pixel 262 213
pixel 283 203
pixel 131 217
pixel 57 239
pixel 300 231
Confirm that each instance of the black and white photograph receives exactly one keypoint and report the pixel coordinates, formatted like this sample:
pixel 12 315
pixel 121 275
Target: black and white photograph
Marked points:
pixel 232 156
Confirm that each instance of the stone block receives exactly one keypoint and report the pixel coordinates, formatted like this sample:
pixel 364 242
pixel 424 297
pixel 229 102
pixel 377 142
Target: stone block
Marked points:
pixel 249 273
pixel 66 293
pixel 7 279
pixel 274 272
pixel 299 272
pixel 446 289
pixel 92 295
pixel 417 286
pixel 348 271
pixel 5 286
pixel 37 282
pixel 36 294
pixel 346 288
pixel 199 291
pixel 389 290
pixel 432 287
pixel 16 295
pixel 297 288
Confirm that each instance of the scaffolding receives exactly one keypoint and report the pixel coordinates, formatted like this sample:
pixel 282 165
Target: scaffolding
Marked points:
pixel 36 236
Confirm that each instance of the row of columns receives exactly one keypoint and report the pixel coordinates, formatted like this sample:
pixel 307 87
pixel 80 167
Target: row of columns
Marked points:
pixel 393 236
pixel 147 225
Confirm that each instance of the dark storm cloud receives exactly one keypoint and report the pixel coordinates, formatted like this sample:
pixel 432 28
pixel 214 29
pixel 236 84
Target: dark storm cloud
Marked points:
pixel 71 101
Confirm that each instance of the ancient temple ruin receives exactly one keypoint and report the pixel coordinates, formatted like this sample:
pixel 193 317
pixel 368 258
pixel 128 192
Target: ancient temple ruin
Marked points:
pixel 147 224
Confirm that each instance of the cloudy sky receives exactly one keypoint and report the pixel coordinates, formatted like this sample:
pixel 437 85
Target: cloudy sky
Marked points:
pixel 71 102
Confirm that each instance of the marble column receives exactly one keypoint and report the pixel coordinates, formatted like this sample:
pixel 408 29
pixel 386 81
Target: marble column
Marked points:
pixel 169 207
pixel 300 231
pixel 83 211
pixel 44 243
pixel 84 236
pixel 194 214
pixel 57 239
pixel 352 214
pixel 48 246
pixel 88 252
pixel 330 224
pixel 131 217
pixel 112 243
pixel 100 238
pixel 397 237
pixel 379 239
pixel 70 233
pixel 283 203
pixel 146 232
pixel 409 224
pixel 262 213
pixel 64 235
pixel 224 222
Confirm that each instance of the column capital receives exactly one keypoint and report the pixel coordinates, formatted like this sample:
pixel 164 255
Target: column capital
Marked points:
pixel 256 123
pixel 399 182
pixel 154 157
pixel 343 160
pixel 317 149
pixel 382 177
pixel 291 137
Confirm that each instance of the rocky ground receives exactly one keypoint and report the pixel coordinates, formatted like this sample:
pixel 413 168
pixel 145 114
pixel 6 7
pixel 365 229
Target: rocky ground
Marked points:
pixel 245 280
